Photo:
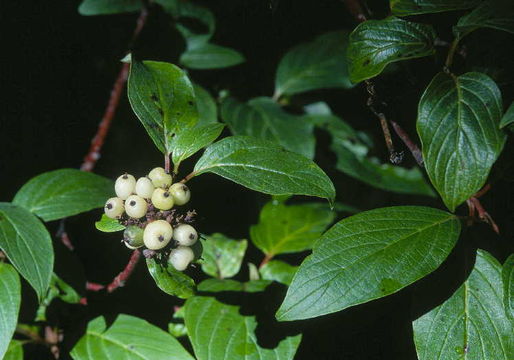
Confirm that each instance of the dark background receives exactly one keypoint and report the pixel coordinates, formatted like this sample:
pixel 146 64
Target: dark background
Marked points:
pixel 57 71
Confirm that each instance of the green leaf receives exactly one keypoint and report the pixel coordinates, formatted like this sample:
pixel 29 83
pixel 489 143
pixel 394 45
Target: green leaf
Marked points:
pixel 191 140
pixel 10 297
pixel 264 166
pixel 58 289
pixel 107 7
pixel 189 10
pixel 413 7
pixel 220 285
pixel 106 224
pixel 163 99
pixel 368 256
pixel 128 338
pixel 278 271
pixel 264 119
pixel 472 323
pixel 351 149
pixel 14 351
pixel 376 43
pixel 508 285
pixel 171 281
pixel 176 327
pixel 494 14
pixel 222 256
pixel 211 56
pixel 290 228
pixel 219 331
pixel 508 118
pixel 61 193
pixel 27 244
pixel 318 64
pixel 458 124
pixel 206 106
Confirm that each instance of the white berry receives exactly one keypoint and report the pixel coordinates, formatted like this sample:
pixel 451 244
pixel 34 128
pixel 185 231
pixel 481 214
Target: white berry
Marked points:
pixel 133 237
pixel 162 199
pixel 181 257
pixel 144 187
pixel 125 186
pixel 157 234
pixel 181 193
pixel 135 206
pixel 114 207
pixel 185 235
pixel 160 178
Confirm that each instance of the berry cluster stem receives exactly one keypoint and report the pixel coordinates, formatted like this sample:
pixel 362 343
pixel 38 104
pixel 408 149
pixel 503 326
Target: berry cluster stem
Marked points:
pixel 119 280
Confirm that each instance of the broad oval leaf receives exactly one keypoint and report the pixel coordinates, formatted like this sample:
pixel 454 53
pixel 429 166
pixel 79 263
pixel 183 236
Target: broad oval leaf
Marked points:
pixel 319 64
pixel 219 331
pixel 413 7
pixel 493 14
pixel 211 56
pixel 277 270
pixel 472 323
pixel 222 256
pixel 14 351
pixel 290 228
pixel 128 338
pixel 65 192
pixel 508 285
pixel 368 256
pixel 376 43
pixel 10 298
pixel 163 99
pixel 27 244
pixel 171 281
pixel 458 124
pixel 264 166
pixel 106 224
pixel 508 118
pixel 103 7
pixel 191 140
pixel 263 118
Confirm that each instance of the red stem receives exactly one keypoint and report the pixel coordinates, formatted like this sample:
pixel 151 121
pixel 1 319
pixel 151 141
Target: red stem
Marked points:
pixel 119 280
pixel 413 147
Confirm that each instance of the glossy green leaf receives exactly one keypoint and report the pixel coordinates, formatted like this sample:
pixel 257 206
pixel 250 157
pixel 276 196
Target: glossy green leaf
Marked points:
pixel 171 281
pixel 163 99
pixel 508 285
pixel 368 256
pixel 472 323
pixel 27 244
pixel 219 331
pixel 264 166
pixel 10 298
pixel 58 289
pixel 220 285
pixel 279 271
pixel 507 120
pixel 206 106
pixel 191 140
pixel 318 64
pixel 211 56
pixel 376 43
pixel 264 119
pixel 290 228
pixel 413 7
pixel 107 7
pixel 351 148
pixel 458 124
pixel 128 338
pixel 61 193
pixel 493 14
pixel 222 256
pixel 106 224
pixel 14 351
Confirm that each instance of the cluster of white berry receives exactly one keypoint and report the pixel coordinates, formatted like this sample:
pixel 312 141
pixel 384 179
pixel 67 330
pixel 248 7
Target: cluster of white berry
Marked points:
pixel 145 208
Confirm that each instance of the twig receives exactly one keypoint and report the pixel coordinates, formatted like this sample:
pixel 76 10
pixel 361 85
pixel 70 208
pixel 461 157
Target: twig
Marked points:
pixel 63 235
pixel 266 260
pixel 451 52
pixel 188 177
pixel 411 145
pixel 91 286
pixel 475 204
pixel 119 280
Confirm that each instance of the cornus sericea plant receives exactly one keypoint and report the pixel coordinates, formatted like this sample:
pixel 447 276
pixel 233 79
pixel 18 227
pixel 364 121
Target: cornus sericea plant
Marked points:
pixel 416 165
